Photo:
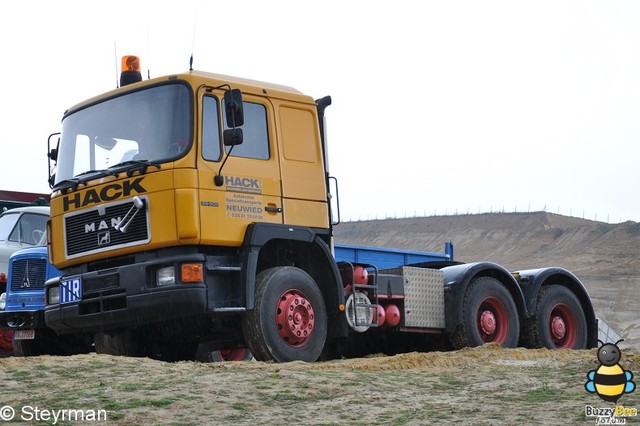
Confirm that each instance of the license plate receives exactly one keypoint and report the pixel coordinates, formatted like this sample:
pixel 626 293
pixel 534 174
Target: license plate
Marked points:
pixel 70 290
pixel 24 335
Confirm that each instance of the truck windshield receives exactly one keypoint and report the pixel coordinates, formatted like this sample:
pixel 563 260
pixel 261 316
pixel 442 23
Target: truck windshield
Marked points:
pixel 153 124
pixel 7 223
pixel 24 228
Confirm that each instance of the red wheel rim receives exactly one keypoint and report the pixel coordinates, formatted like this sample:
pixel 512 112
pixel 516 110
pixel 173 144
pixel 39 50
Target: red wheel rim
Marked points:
pixel 493 321
pixel 295 318
pixel 563 326
pixel 232 354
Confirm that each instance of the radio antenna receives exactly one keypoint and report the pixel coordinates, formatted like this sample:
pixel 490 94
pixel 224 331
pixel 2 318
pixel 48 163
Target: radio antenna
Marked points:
pixel 115 55
pixel 148 52
pixel 193 40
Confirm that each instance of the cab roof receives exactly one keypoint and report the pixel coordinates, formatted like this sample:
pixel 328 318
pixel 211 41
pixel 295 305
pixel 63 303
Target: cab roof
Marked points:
pixel 202 78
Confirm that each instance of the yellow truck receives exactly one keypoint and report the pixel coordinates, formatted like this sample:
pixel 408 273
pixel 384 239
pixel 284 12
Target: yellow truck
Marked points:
pixel 196 209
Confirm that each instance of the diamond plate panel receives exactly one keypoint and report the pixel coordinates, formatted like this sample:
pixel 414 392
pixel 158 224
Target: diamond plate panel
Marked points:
pixel 424 297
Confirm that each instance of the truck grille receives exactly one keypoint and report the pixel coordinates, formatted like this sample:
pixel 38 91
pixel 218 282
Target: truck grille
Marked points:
pixel 95 230
pixel 28 274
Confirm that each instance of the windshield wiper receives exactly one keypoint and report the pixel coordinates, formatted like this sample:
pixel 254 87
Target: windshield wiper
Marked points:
pixel 132 166
pixel 65 185
pixel 79 179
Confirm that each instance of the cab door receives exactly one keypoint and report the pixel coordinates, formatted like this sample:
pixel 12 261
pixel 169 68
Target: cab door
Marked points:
pixel 250 189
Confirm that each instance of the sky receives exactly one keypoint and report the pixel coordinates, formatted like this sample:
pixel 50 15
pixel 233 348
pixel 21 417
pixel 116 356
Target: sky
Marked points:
pixel 439 107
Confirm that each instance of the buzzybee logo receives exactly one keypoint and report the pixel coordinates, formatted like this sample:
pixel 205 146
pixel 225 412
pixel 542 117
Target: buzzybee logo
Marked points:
pixel 610 381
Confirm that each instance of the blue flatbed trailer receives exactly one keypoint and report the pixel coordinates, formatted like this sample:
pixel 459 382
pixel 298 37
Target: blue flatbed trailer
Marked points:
pixel 384 258
pixel 471 303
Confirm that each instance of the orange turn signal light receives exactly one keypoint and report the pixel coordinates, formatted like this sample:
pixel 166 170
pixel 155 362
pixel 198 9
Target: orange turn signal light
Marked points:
pixel 192 273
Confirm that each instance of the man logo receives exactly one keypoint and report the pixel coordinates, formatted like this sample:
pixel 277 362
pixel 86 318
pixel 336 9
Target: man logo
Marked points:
pixel 104 238
pixel 25 279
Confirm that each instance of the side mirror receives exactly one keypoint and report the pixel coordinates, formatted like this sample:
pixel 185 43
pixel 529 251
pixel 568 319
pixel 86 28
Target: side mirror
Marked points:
pixel 233 108
pixel 232 137
pixel 52 156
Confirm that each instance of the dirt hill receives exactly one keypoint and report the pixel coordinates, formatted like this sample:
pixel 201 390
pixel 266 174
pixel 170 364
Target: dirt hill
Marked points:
pixel 606 257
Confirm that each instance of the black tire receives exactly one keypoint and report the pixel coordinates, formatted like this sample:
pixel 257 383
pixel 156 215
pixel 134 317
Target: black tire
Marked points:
pixel 27 347
pixel 266 330
pixel 489 315
pixel 559 323
pixel 119 343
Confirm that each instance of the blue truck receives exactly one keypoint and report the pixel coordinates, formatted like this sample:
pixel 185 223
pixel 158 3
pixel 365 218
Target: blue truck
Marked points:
pixel 23 312
pixel 22 224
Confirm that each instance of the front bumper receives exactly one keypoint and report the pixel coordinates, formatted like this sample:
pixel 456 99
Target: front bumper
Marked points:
pixel 22 320
pixel 126 297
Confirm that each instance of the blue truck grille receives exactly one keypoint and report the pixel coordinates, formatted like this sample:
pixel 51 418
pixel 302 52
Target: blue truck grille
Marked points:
pixel 95 230
pixel 28 274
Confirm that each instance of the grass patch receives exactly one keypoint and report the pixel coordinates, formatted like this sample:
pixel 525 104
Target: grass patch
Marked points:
pixel 138 403
pixel 20 374
pixel 544 393
pixel 452 381
pixel 240 406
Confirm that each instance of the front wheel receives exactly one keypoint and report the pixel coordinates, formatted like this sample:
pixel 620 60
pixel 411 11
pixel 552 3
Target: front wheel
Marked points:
pixel 560 322
pixel 119 343
pixel 289 320
pixel 489 315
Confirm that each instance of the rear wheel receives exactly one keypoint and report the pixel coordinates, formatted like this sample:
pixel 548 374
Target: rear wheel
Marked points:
pixel 289 320
pixel 560 322
pixel 489 315
pixel 237 354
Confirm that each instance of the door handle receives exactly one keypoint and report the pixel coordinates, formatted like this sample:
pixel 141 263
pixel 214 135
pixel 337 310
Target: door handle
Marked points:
pixel 273 209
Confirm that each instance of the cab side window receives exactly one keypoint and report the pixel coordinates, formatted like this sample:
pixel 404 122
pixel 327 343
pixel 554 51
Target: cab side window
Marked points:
pixel 255 137
pixel 210 129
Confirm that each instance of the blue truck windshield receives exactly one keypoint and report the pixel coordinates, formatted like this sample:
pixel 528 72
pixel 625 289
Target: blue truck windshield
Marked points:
pixel 153 124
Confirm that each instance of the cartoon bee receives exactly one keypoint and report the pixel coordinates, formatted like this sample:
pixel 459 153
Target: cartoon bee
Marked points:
pixel 610 381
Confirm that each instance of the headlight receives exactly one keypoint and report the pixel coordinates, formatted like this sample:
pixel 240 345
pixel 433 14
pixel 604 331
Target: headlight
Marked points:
pixel 3 301
pixel 166 276
pixel 53 295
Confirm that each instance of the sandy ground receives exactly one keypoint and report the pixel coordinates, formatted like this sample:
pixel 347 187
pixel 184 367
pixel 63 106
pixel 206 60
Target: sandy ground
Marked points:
pixel 487 385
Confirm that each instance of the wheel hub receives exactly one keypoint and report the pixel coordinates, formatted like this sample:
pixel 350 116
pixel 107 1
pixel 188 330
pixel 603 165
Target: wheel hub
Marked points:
pixel 295 318
pixel 558 327
pixel 488 322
